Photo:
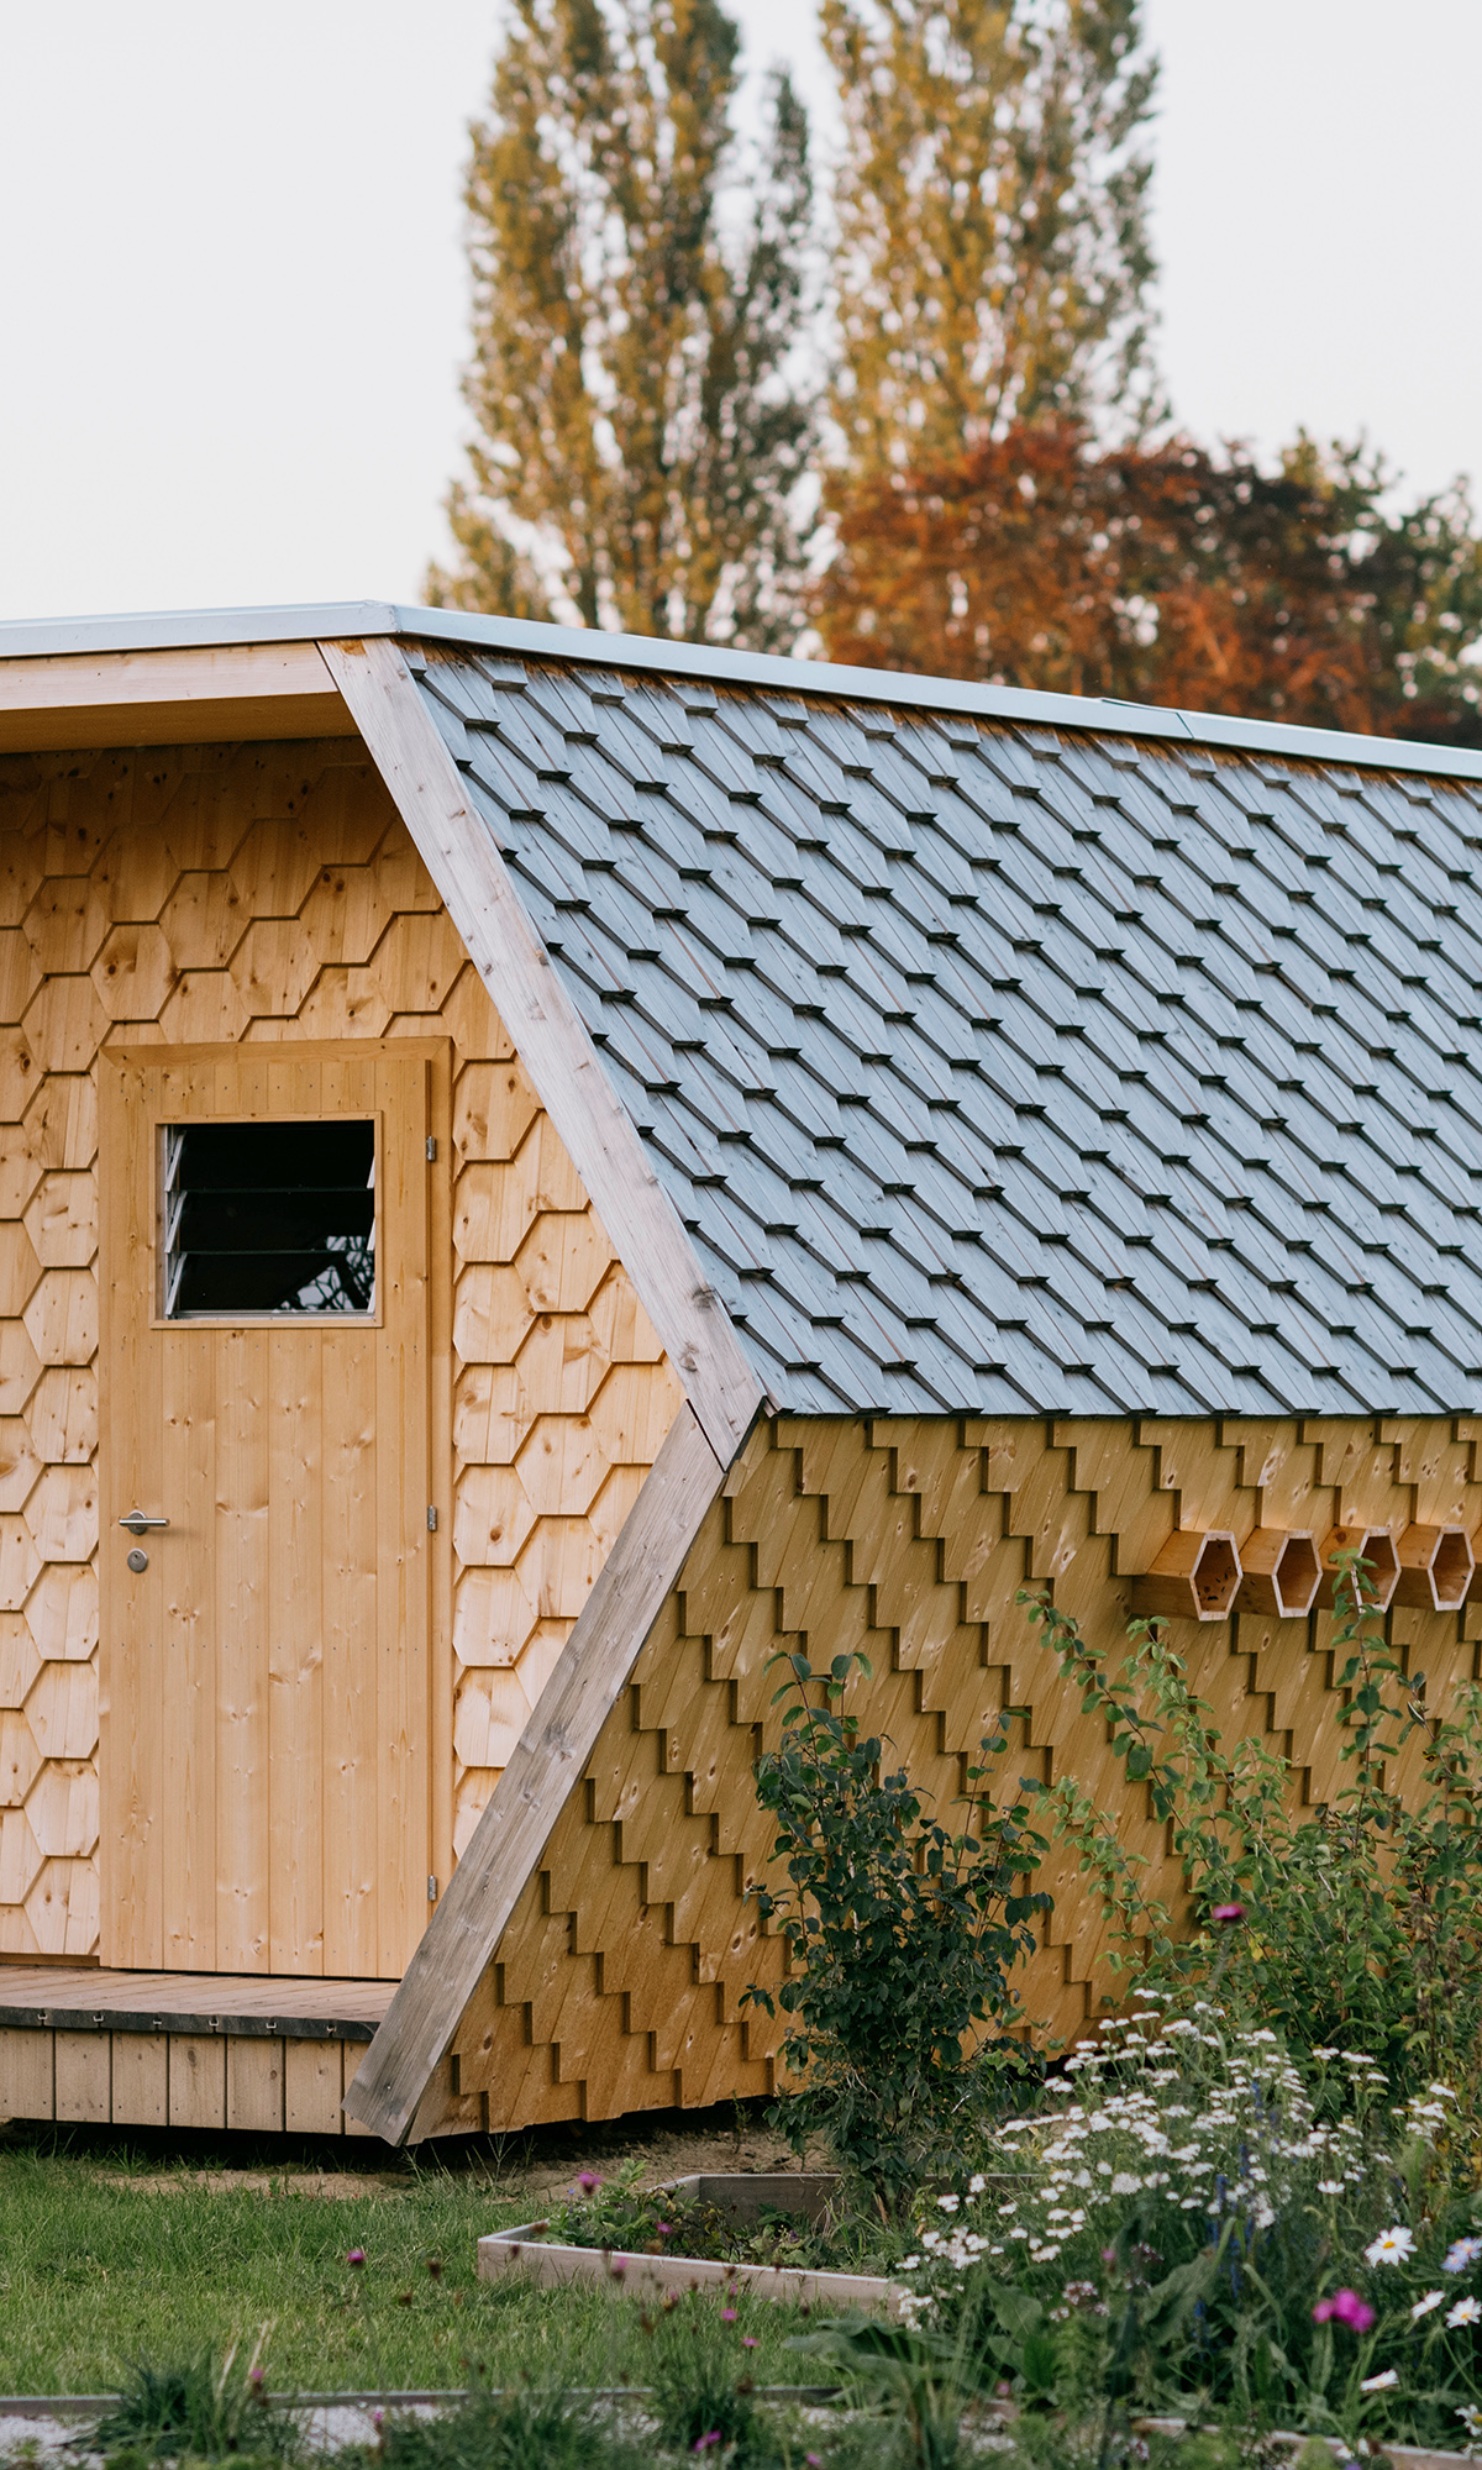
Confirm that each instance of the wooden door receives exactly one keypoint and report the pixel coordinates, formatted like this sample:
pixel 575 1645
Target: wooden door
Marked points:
pixel 265 1677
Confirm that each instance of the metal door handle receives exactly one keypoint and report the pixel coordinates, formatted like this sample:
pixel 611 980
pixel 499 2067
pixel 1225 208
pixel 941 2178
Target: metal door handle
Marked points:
pixel 138 1524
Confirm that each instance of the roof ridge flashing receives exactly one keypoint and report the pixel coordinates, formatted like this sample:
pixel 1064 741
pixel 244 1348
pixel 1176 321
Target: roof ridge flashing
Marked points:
pixel 771 674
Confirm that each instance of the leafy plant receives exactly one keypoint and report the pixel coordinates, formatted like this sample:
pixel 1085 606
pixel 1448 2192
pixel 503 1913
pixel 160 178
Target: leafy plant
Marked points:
pixel 918 2383
pixel 1358 1923
pixel 202 2407
pixel 901 1937
pixel 619 2213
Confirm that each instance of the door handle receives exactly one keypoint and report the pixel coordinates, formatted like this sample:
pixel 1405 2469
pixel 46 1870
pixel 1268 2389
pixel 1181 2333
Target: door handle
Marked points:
pixel 138 1524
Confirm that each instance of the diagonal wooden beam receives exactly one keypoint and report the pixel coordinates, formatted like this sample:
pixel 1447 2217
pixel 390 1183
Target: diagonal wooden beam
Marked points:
pixel 547 1764
pixel 565 1068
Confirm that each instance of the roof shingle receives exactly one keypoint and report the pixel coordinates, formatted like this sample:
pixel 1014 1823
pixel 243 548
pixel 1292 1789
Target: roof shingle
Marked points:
pixel 999 1068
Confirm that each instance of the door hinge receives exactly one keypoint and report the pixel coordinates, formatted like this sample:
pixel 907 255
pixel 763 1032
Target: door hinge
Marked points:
pixel 431 1518
pixel 431 1148
pixel 431 1888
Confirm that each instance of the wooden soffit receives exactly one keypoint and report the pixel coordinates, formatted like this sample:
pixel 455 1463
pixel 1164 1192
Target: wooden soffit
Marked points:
pixel 190 697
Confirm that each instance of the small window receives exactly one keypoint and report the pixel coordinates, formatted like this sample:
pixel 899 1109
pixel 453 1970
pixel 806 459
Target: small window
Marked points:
pixel 270 1218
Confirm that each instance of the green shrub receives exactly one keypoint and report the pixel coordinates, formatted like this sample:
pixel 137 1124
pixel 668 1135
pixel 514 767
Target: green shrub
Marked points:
pixel 1357 1924
pixel 901 1938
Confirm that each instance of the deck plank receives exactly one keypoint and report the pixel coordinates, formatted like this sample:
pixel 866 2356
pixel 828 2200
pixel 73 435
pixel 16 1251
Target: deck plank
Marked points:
pixel 92 1997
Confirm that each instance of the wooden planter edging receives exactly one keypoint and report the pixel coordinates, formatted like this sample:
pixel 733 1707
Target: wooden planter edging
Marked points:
pixel 743 2193
pixel 528 2250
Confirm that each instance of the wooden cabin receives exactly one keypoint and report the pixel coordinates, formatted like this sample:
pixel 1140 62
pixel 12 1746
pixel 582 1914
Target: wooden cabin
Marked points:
pixel 536 1168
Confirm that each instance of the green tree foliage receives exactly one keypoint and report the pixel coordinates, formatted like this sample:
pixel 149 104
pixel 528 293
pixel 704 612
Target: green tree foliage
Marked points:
pixel 991 207
pixel 1165 574
pixel 901 1936
pixel 640 427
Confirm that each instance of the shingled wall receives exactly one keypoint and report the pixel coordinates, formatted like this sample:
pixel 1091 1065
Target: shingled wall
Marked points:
pixel 617 1983
pixel 271 892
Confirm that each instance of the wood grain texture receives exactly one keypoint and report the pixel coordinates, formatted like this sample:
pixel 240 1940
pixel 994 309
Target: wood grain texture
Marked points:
pixel 255 690
pixel 563 1064
pixel 250 2084
pixel 293 1801
pixel 615 1983
pixel 547 1763
pixel 199 894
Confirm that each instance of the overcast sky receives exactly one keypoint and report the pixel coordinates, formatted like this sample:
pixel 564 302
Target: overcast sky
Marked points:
pixel 233 299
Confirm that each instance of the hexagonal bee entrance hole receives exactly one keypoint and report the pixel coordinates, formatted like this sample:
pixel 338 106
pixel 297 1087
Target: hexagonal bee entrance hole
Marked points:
pixel 1376 1546
pixel 1194 1578
pixel 1282 1573
pixel 1436 1565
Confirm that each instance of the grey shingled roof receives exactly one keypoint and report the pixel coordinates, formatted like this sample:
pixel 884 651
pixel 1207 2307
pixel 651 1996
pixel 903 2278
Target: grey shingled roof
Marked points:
pixel 1002 1068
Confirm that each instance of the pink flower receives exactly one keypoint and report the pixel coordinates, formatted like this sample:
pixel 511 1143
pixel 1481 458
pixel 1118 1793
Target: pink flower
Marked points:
pixel 1228 1912
pixel 589 2182
pixel 1345 2307
pixel 703 2443
pixel 748 2341
pixel 356 2256
pixel 728 2315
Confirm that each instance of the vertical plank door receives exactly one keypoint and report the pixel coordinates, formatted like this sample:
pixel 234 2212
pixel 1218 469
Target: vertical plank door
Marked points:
pixel 265 1739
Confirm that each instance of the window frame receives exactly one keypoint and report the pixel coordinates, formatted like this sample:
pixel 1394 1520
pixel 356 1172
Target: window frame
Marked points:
pixel 163 1318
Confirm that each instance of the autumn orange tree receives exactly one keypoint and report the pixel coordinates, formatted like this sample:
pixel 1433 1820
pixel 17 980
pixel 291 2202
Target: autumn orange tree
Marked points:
pixel 1168 575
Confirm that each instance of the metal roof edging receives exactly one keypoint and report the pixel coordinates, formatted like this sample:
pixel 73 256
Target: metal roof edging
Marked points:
pixel 711 664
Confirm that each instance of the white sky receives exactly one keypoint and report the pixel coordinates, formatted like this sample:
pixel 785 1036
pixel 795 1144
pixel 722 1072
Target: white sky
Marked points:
pixel 233 302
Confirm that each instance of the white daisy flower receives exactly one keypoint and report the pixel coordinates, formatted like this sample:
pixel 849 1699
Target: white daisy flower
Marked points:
pixel 1466 2311
pixel 1384 2382
pixel 1390 2247
pixel 1423 2306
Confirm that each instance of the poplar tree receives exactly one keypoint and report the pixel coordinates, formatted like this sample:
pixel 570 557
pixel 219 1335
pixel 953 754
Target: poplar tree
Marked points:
pixel 991 206
pixel 640 290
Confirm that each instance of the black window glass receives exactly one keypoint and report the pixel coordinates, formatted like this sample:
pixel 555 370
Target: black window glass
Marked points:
pixel 270 1217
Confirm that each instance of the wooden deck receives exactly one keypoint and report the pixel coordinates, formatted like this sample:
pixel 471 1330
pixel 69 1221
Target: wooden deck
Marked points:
pixel 264 2055
pixel 85 1998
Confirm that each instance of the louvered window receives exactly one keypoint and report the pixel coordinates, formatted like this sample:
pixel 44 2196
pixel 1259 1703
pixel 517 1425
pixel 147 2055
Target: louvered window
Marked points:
pixel 270 1218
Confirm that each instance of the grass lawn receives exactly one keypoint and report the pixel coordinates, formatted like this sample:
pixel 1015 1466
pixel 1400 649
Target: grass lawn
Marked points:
pixel 110 2255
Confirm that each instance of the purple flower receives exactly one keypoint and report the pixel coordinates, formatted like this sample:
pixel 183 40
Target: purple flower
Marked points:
pixel 728 2315
pixel 1228 1912
pixel 589 2182
pixel 748 2341
pixel 1345 2307
pixel 356 2256
pixel 703 2443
